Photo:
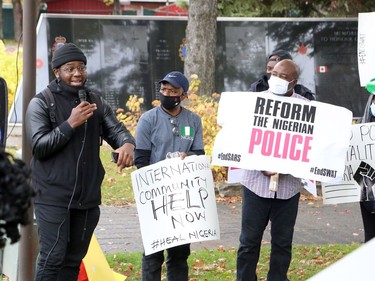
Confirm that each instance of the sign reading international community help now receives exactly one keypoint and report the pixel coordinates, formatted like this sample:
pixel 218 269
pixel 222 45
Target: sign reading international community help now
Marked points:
pixel 263 131
pixel 359 176
pixel 176 203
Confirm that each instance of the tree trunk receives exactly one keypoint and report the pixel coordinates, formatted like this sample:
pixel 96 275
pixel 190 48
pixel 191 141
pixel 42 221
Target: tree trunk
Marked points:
pixel 116 7
pixel 17 14
pixel 201 43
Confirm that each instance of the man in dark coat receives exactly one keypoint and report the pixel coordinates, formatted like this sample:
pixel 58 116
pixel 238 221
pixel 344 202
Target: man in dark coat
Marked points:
pixel 262 84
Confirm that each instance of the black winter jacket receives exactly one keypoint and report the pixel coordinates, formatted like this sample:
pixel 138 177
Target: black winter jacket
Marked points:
pixel 65 160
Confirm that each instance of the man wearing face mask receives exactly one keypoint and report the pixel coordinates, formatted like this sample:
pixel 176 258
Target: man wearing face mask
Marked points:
pixel 168 129
pixel 262 202
pixel 263 83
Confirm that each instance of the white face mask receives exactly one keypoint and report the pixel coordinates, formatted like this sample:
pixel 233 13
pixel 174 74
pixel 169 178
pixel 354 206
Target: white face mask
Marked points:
pixel 372 108
pixel 278 86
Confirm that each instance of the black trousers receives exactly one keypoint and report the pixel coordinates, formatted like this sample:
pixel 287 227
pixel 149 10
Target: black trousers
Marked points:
pixel 64 238
pixel 368 219
pixel 256 213
pixel 177 265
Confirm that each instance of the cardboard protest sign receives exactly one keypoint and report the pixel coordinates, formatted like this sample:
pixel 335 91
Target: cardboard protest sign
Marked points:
pixel 176 203
pixel 359 177
pixel 234 175
pixel 262 131
pixel 366 47
pixel 310 186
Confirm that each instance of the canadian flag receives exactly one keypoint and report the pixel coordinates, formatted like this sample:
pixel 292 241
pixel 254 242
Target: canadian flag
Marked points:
pixel 322 69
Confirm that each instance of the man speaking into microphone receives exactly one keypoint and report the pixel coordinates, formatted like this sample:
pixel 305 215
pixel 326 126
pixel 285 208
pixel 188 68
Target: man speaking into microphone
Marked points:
pixel 65 125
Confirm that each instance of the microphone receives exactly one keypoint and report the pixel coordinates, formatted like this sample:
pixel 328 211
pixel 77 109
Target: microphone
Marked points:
pixel 82 95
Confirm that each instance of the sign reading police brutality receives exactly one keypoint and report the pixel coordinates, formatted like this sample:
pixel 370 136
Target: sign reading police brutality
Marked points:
pixel 359 177
pixel 263 131
pixel 176 203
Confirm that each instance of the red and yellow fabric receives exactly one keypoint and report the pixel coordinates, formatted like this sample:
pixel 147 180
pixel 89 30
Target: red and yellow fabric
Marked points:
pixel 95 267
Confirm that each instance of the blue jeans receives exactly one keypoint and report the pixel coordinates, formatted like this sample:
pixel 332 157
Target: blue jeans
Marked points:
pixel 177 267
pixel 256 212
pixel 64 238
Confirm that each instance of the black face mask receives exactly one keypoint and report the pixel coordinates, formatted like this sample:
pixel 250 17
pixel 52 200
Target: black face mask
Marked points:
pixel 170 102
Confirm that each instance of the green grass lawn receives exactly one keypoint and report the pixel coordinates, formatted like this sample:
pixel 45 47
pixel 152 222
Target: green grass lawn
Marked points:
pixel 210 265
pixel 220 264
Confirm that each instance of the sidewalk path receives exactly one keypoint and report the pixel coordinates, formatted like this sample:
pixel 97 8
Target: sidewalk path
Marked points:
pixel 118 229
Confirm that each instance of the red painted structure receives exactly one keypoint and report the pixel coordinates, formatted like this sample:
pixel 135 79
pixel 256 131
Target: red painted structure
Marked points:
pixel 99 8
pixel 171 10
pixel 79 7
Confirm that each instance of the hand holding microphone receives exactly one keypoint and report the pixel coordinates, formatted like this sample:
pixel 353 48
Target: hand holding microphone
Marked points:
pixel 82 98
pixel 82 112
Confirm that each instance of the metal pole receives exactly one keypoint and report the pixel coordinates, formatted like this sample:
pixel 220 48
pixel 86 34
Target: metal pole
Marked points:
pixel 27 245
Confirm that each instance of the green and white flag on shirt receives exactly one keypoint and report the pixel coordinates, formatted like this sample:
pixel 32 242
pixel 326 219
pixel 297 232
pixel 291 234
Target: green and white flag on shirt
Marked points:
pixel 187 131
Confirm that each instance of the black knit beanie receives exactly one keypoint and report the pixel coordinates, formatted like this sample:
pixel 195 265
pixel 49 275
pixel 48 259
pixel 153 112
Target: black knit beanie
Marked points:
pixel 282 54
pixel 65 53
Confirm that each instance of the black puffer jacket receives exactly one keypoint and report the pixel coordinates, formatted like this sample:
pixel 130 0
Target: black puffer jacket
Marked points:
pixel 262 85
pixel 65 160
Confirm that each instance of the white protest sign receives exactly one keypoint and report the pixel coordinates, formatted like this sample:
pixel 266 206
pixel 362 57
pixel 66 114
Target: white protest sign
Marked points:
pixel 176 203
pixel 262 131
pixel 366 47
pixel 359 177
pixel 310 186
pixel 234 175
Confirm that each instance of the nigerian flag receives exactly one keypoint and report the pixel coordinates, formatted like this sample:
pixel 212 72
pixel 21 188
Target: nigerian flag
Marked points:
pixel 187 131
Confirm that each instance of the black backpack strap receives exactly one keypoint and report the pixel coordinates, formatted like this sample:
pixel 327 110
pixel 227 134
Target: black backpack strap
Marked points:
pixel 47 94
